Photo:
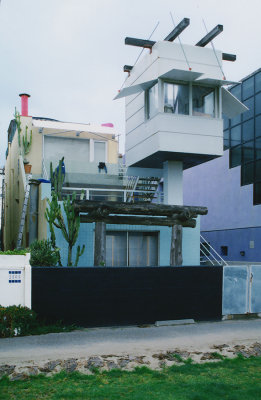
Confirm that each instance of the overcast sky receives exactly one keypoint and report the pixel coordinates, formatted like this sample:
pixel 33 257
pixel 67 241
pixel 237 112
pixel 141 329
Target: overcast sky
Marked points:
pixel 68 54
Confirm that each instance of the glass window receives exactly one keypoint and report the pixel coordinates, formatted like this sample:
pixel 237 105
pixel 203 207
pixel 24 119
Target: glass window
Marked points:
pixel 257 193
pixel 248 88
pixel 99 151
pixel 258 170
pixel 258 126
pixel 236 91
pixel 248 151
pixel 176 98
pixel 235 136
pixel 258 148
pixel 143 249
pixel 248 130
pixel 226 139
pixel 153 101
pixel 225 122
pixel 116 249
pixel 235 157
pixel 203 101
pixel 258 81
pixel 236 120
pixel 247 174
pixel 250 113
pixel 258 103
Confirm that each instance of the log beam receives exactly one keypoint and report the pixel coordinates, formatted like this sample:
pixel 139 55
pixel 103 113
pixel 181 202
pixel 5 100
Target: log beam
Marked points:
pixel 111 207
pixel 133 220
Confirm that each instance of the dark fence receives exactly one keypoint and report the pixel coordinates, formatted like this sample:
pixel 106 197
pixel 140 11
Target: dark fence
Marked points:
pixel 120 296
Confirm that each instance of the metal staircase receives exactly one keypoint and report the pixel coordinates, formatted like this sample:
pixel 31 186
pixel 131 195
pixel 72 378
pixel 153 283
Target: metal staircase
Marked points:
pixel 141 189
pixel 24 210
pixel 208 255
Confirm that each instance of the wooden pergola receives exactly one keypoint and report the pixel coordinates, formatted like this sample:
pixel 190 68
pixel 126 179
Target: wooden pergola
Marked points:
pixel 110 212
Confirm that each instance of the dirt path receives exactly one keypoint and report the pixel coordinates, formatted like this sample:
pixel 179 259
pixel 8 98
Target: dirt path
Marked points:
pixel 127 347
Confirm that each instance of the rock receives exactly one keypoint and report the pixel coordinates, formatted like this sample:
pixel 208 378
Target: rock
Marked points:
pixel 239 347
pixel 70 365
pixel 123 362
pixel 162 364
pixel 244 353
pixel 111 365
pixel 94 362
pixel 50 366
pixel 210 356
pixel 32 371
pixel 17 376
pixel 219 346
pixel 6 369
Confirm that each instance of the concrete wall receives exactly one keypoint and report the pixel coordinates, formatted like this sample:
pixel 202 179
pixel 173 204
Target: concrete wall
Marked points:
pixel 15 280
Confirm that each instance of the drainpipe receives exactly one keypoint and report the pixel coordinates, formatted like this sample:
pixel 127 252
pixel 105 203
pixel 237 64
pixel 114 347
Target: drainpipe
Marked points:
pixel 33 210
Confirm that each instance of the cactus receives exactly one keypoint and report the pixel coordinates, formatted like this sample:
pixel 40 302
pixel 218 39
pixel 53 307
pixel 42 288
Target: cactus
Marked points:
pixel 79 254
pixel 27 144
pixel 50 216
pixel 57 178
pixel 70 230
pixel 17 117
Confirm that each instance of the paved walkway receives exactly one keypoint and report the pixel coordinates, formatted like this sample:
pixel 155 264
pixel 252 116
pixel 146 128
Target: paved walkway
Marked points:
pixel 128 340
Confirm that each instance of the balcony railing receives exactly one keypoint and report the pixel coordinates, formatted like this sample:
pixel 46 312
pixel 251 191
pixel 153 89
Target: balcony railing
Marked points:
pixel 120 195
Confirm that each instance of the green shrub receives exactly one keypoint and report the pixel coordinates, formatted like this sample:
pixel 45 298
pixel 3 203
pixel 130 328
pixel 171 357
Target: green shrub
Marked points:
pixel 43 254
pixel 15 252
pixel 16 321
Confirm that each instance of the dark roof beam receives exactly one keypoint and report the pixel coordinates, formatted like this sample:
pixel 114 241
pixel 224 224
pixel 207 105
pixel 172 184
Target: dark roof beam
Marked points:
pixel 147 44
pixel 127 68
pixel 178 29
pixel 229 57
pixel 210 36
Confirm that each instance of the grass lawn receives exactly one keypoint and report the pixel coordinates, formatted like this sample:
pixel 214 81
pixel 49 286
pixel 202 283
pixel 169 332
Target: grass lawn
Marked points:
pixel 229 379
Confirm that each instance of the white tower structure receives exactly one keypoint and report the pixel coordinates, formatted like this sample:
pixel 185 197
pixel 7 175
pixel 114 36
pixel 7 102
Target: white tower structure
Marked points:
pixel 174 100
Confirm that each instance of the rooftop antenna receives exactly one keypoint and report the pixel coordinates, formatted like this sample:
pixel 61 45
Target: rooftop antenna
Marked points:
pixel 189 67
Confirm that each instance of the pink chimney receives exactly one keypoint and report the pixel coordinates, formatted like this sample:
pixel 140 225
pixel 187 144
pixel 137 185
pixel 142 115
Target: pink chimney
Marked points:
pixel 24 104
pixel 108 124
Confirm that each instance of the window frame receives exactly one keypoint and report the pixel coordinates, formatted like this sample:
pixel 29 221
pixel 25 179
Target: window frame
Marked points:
pixel 161 82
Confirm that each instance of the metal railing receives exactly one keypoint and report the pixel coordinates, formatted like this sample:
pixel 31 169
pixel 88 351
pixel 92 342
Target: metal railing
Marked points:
pixel 210 254
pixel 124 195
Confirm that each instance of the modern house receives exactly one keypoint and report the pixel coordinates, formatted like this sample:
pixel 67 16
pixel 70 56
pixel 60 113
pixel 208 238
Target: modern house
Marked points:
pixel 175 98
pixel 231 186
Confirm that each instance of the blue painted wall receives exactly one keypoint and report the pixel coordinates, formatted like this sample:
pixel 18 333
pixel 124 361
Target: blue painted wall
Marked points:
pixel 190 245
pixel 232 218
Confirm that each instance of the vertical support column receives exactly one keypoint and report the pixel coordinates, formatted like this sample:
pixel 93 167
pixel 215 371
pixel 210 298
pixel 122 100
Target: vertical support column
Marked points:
pixel 173 182
pixel 100 244
pixel 173 195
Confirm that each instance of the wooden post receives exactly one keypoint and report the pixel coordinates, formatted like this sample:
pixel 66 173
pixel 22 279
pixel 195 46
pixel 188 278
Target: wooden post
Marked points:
pixel 100 244
pixel 176 246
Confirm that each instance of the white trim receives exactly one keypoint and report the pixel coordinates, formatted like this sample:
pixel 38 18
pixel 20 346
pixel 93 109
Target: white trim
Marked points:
pixel 91 150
